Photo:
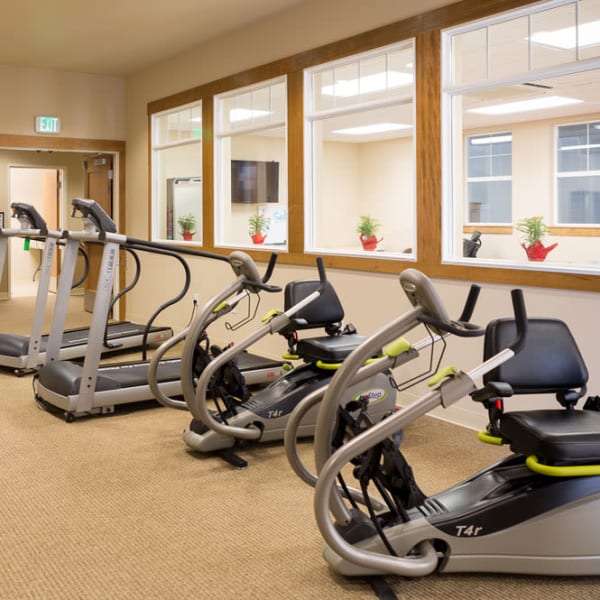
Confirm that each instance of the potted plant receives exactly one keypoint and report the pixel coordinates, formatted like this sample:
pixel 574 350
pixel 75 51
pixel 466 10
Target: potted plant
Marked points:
pixel 187 223
pixel 258 227
pixel 367 228
pixel 534 230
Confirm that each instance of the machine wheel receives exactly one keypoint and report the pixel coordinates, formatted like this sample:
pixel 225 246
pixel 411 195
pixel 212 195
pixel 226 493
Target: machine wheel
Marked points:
pixel 69 417
pixel 19 372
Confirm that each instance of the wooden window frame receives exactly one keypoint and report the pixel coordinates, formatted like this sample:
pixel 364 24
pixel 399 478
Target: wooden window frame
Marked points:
pixel 426 29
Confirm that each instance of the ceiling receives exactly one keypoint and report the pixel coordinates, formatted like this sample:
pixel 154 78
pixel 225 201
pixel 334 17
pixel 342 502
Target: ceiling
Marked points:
pixel 118 37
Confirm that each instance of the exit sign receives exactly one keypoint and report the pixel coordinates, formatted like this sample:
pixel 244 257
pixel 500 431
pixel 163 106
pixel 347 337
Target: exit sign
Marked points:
pixel 45 124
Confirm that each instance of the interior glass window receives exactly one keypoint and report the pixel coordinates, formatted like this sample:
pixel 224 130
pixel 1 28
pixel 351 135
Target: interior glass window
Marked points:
pixel 177 174
pixel 359 154
pixel 578 173
pixel 251 166
pixel 515 145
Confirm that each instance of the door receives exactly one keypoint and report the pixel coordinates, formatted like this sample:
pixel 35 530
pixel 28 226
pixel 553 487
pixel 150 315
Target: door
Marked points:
pixel 98 186
pixel 39 187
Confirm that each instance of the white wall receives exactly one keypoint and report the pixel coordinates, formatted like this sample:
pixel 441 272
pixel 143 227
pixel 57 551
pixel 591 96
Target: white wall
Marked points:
pixel 370 298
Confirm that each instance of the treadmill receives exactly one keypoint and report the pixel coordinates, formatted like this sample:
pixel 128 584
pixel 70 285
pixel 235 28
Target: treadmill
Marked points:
pixel 92 388
pixel 26 354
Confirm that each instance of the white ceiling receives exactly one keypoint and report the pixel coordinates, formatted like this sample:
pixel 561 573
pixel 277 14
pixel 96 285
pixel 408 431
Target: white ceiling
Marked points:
pixel 117 37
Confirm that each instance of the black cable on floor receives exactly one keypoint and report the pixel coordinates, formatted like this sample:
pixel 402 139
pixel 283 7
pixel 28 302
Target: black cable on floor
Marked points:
pixel 382 589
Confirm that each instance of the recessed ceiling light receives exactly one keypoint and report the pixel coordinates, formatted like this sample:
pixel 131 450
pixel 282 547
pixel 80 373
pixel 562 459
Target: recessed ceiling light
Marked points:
pixel 245 114
pixel 566 38
pixel 375 128
pixel 368 84
pixel 525 105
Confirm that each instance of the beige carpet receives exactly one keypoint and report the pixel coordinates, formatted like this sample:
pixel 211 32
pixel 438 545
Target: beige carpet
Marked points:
pixel 116 508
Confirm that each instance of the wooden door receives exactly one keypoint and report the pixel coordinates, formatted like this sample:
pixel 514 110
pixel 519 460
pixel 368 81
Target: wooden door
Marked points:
pixel 98 177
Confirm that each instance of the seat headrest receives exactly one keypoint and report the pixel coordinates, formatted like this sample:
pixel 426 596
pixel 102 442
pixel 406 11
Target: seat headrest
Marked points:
pixel 549 362
pixel 325 310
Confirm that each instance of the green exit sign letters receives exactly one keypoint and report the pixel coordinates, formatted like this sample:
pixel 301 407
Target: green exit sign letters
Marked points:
pixel 44 124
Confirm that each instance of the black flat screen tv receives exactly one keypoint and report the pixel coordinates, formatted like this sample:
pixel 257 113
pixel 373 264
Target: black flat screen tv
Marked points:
pixel 254 181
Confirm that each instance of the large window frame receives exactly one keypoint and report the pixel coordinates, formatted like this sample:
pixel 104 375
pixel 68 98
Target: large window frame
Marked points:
pixel 176 174
pixel 483 90
pixel 359 117
pixel 254 117
pixel 427 30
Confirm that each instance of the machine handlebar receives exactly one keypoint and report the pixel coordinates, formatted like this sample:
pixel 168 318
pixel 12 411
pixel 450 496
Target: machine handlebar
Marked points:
pixel 520 312
pixel 92 211
pixel 29 216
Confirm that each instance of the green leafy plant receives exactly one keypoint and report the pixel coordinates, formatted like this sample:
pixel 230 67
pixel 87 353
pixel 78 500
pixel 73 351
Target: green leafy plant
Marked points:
pixel 367 226
pixel 533 229
pixel 187 222
pixel 258 223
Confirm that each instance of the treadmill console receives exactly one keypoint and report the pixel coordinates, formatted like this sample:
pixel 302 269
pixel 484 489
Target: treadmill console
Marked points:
pixel 92 211
pixel 28 216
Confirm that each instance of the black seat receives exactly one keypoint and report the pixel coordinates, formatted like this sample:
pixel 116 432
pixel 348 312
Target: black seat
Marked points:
pixel 549 363
pixel 326 312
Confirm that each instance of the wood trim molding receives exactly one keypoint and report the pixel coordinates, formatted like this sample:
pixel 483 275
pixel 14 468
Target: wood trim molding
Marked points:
pixel 35 142
pixel 426 30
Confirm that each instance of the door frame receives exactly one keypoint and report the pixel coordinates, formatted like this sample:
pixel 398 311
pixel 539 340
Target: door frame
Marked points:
pixel 58 202
pixel 114 147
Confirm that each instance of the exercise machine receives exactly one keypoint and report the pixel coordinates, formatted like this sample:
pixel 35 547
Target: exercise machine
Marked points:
pixel 25 354
pixel 239 417
pixel 94 388
pixel 533 512
pixel 396 351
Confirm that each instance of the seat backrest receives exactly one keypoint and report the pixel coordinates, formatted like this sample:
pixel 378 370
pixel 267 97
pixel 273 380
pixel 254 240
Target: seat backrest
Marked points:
pixel 324 311
pixel 549 361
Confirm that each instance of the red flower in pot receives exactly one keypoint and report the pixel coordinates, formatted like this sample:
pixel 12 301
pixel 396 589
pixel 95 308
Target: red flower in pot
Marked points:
pixel 534 230
pixel 367 228
pixel 187 223
pixel 258 227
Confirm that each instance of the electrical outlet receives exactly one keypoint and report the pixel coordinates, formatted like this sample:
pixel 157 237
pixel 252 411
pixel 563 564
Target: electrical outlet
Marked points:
pixel 196 299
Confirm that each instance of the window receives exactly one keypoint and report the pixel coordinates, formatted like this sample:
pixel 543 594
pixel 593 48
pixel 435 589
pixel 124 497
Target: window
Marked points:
pixel 515 88
pixel 578 174
pixel 489 170
pixel 177 174
pixel 359 152
pixel 251 166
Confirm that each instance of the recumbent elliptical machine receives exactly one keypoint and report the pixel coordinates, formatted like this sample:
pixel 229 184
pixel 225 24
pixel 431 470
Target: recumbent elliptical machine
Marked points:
pixel 534 512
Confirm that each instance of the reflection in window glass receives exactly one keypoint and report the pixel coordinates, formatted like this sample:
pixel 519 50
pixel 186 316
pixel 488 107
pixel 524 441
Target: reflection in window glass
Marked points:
pixel 177 174
pixel 523 72
pixel 578 173
pixel 360 154
pixel 489 172
pixel 251 166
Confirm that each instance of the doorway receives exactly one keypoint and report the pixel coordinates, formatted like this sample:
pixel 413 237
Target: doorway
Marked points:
pixel 41 187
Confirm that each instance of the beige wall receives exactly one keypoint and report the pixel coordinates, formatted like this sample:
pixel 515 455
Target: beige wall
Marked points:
pixel 89 106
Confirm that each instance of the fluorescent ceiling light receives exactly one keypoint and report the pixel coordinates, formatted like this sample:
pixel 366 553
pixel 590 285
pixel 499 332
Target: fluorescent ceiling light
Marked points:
pixel 492 139
pixel 375 128
pixel 580 147
pixel 245 114
pixel 525 105
pixel 589 35
pixel 368 84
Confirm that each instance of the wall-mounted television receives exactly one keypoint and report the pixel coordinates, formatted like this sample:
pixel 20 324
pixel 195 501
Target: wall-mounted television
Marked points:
pixel 254 181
